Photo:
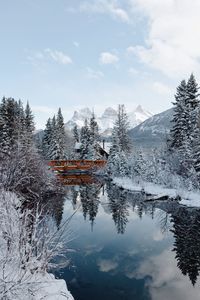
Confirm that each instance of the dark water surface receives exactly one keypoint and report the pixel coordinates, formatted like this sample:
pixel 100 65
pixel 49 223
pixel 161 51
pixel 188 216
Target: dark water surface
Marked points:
pixel 128 249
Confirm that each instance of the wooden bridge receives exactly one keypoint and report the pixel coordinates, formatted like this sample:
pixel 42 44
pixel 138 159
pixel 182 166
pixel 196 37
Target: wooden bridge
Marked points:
pixel 77 179
pixel 76 166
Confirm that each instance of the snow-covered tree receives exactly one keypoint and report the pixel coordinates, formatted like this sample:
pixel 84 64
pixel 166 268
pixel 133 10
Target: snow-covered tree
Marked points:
pixel 120 129
pixel 180 122
pixel 60 135
pixel 29 120
pixel 54 149
pixel 85 141
pixel 46 142
pixel 54 140
pixel 76 134
pixel 192 106
pixel 120 147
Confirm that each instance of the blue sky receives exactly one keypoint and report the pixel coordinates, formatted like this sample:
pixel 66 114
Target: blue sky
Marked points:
pixel 72 54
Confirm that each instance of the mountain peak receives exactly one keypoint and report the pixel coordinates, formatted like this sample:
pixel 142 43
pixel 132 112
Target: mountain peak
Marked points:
pixel 139 109
pixel 107 119
pixel 109 112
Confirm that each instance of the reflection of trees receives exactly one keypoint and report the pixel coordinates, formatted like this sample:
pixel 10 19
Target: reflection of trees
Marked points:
pixel 89 196
pixel 119 207
pixel 164 220
pixel 74 197
pixel 186 224
pixel 54 207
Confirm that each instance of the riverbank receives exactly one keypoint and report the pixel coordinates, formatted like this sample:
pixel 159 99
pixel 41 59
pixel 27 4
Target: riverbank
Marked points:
pixel 158 192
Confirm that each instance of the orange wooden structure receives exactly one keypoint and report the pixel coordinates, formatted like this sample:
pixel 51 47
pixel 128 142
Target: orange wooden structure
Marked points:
pixel 76 165
pixel 77 179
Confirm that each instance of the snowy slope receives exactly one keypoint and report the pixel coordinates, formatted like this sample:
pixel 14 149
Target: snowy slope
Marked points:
pixel 138 116
pixel 153 131
pixel 107 119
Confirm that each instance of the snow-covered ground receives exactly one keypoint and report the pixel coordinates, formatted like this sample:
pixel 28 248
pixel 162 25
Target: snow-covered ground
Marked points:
pixel 24 258
pixel 50 288
pixel 188 198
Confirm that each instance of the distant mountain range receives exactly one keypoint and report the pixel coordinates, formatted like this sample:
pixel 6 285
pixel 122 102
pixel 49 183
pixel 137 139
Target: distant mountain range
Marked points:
pixel 152 132
pixel 146 131
pixel 107 119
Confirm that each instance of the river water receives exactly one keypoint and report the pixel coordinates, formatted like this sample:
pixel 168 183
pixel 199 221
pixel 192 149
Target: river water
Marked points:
pixel 129 249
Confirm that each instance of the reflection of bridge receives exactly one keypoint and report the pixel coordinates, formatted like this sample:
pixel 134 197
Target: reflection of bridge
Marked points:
pixel 77 179
pixel 76 166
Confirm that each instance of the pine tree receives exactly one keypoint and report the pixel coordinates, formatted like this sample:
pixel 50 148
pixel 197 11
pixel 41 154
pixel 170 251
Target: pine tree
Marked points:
pixel 94 138
pixel 47 138
pixel 120 129
pixel 192 106
pixel 117 162
pixel 85 141
pixel 180 121
pixel 9 135
pixel 60 135
pixel 139 165
pixel 54 149
pixel 76 134
pixel 29 120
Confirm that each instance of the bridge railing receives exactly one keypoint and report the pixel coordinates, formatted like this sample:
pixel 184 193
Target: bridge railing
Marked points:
pixel 77 164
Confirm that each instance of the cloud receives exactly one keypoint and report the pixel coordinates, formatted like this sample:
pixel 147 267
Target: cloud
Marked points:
pixel 49 55
pixel 161 88
pixel 133 71
pixel 58 56
pixel 130 50
pixel 109 7
pixel 108 58
pixel 92 74
pixel 167 281
pixel 106 265
pixel 43 109
pixel 173 42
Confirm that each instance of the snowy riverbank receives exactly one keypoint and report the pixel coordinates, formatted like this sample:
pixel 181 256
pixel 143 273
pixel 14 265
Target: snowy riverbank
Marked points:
pixel 188 198
pixel 49 288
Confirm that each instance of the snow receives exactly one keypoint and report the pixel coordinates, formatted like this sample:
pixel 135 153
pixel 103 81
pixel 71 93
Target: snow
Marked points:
pixel 50 288
pixel 107 119
pixel 188 198
pixel 23 274
pixel 77 146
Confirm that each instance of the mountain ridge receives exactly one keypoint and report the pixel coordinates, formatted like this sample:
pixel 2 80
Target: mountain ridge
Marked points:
pixel 107 118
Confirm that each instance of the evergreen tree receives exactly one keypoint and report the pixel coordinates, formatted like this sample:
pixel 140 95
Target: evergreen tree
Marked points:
pixel 29 120
pixel 94 138
pixel 76 134
pixel 54 140
pixel 85 141
pixel 120 129
pixel 139 166
pixel 54 149
pixel 21 120
pixel 192 106
pixel 60 135
pixel 117 162
pixel 180 121
pixel 9 125
pixel 47 138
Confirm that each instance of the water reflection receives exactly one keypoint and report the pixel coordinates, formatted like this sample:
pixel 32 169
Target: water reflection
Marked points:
pixel 186 230
pixel 135 246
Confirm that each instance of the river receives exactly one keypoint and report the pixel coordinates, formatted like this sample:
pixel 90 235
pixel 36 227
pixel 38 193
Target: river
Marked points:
pixel 129 249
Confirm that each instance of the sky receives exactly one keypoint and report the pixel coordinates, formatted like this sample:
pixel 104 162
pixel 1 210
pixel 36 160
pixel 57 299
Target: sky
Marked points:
pixel 72 54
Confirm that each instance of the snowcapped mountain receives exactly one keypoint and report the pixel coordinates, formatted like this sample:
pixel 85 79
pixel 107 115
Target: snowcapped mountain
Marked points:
pixel 152 132
pixel 107 119
pixel 138 116
pixel 79 118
